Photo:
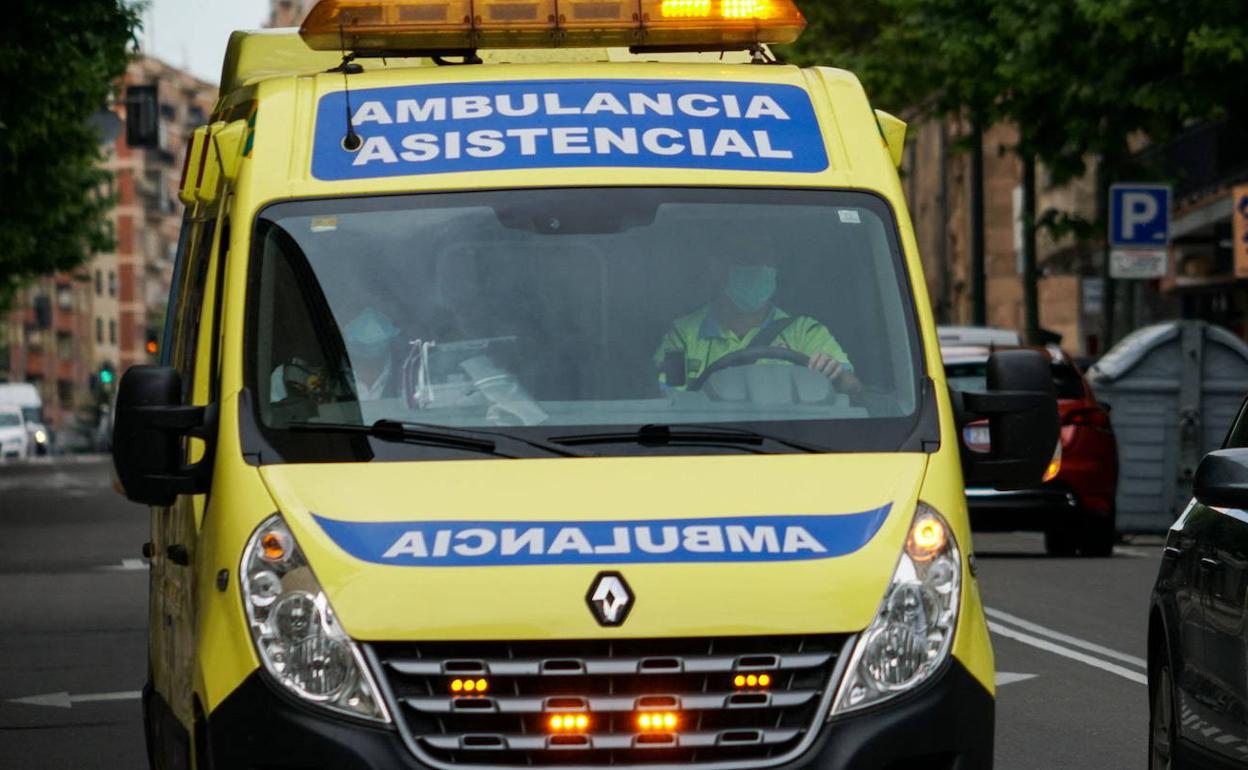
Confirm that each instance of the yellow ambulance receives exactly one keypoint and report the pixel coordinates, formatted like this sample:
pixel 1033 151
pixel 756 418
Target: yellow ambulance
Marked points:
pixel 553 383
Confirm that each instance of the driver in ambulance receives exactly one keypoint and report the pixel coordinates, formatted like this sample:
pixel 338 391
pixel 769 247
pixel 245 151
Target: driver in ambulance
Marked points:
pixel 742 316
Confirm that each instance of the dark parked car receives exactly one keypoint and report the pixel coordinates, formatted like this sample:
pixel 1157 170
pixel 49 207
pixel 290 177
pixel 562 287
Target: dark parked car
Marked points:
pixel 1198 622
pixel 1074 507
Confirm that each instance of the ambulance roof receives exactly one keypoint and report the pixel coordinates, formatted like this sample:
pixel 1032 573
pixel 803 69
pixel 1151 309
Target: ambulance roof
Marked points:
pixel 254 55
pixel 566 116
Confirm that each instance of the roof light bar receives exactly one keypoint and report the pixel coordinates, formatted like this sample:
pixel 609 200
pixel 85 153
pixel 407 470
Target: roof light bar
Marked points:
pixel 393 26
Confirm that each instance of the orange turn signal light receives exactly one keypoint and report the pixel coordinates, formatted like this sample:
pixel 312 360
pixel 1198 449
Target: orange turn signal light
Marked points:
pixel 658 721
pixel 274 545
pixel 414 26
pixel 927 538
pixel 1055 464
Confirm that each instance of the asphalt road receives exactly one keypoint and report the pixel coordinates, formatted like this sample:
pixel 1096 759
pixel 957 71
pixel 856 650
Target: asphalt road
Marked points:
pixel 1069 634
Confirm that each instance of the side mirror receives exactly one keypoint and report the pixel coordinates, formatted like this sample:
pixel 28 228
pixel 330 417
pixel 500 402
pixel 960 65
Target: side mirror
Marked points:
pixel 1222 479
pixel 149 428
pixel 1021 408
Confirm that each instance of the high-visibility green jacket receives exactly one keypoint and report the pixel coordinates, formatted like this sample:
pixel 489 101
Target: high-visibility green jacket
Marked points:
pixel 703 340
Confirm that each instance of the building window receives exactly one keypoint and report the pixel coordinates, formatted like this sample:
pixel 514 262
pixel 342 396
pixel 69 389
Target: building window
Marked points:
pixel 64 297
pixel 65 346
pixel 99 330
pixel 65 392
pixel 99 283
pixel 112 331
pixel 112 284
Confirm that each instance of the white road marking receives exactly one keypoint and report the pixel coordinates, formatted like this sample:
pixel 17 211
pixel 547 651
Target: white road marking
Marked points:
pixel 127 565
pixel 1073 641
pixel 1009 677
pixel 1066 652
pixel 64 700
pixel 1136 553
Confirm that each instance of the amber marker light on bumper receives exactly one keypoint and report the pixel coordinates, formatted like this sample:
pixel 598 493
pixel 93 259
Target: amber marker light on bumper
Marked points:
pixel 470 686
pixel 568 723
pixel 752 680
pixel 658 721
pixel 378 27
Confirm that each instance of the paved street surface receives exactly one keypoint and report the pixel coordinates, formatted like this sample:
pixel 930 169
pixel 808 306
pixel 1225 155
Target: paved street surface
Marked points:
pixel 1069 634
pixel 73 619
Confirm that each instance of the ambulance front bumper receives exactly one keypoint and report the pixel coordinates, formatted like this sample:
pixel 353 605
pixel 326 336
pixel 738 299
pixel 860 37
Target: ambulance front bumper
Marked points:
pixel 947 725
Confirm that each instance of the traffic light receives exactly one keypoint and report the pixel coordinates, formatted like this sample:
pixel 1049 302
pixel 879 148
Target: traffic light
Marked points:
pixel 152 346
pixel 107 375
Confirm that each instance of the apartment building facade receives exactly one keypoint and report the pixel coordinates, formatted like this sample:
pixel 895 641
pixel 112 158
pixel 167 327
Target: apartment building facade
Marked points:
pixel 68 330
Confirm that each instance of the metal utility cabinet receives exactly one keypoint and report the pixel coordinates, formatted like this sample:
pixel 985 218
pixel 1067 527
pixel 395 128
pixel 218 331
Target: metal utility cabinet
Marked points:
pixel 1173 390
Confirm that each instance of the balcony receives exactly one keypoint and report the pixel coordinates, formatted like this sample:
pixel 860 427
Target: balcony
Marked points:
pixel 1202 160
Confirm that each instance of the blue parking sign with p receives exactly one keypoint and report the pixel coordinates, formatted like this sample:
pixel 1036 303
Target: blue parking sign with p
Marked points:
pixel 1139 215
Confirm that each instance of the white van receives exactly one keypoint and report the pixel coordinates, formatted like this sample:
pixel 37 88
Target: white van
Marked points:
pixel 12 433
pixel 25 397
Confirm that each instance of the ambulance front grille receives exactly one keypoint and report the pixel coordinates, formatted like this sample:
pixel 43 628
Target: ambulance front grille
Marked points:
pixel 610 682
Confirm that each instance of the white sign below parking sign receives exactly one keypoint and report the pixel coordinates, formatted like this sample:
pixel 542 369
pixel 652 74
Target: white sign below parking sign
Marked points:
pixel 1137 263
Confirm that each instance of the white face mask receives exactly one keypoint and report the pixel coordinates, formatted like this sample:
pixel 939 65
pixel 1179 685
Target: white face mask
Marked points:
pixel 369 333
pixel 751 287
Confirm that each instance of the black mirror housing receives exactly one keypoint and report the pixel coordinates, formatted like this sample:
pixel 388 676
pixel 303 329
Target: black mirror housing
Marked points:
pixel 1222 479
pixel 1021 408
pixel 149 428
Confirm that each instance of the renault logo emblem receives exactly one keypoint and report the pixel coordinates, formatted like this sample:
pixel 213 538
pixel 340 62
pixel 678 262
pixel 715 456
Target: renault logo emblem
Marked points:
pixel 609 598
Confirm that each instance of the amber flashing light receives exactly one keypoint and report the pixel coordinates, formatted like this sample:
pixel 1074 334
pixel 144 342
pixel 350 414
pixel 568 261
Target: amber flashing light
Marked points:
pixel 658 721
pixel 414 26
pixel 1055 464
pixel 927 538
pixel 568 723
pixel 752 680
pixel 473 686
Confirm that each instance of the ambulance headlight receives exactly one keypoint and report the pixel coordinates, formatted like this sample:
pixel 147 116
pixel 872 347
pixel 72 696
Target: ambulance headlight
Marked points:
pixel 295 631
pixel 913 631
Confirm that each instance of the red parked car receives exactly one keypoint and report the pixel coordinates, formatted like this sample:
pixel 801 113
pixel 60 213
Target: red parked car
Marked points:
pixel 1074 507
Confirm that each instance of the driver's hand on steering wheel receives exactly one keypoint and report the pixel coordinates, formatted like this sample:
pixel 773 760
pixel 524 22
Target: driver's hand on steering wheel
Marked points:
pixel 835 371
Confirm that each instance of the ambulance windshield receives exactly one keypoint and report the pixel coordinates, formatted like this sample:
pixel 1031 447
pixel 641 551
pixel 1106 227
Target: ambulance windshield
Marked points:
pixel 556 313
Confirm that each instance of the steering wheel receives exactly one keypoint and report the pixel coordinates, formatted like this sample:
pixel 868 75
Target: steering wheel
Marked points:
pixel 749 356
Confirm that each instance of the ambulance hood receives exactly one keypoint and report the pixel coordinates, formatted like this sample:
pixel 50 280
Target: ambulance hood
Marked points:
pixel 509 549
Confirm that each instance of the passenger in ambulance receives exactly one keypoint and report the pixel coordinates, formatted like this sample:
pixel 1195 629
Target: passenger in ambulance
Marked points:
pixel 742 316
pixel 369 338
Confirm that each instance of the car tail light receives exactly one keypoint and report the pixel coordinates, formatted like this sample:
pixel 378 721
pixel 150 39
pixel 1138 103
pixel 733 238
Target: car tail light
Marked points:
pixel 1095 418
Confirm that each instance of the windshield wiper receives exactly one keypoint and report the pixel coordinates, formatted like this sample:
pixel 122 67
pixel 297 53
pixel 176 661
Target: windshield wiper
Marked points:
pixel 670 435
pixel 537 443
pixel 390 430
pixel 429 434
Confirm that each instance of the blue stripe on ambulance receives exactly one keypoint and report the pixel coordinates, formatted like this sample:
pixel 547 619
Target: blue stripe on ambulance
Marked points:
pixel 493 543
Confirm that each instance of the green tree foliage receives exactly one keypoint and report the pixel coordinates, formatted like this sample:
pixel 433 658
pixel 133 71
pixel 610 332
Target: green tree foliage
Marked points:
pixel 58 64
pixel 915 56
pixel 1077 76
pixel 851 35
